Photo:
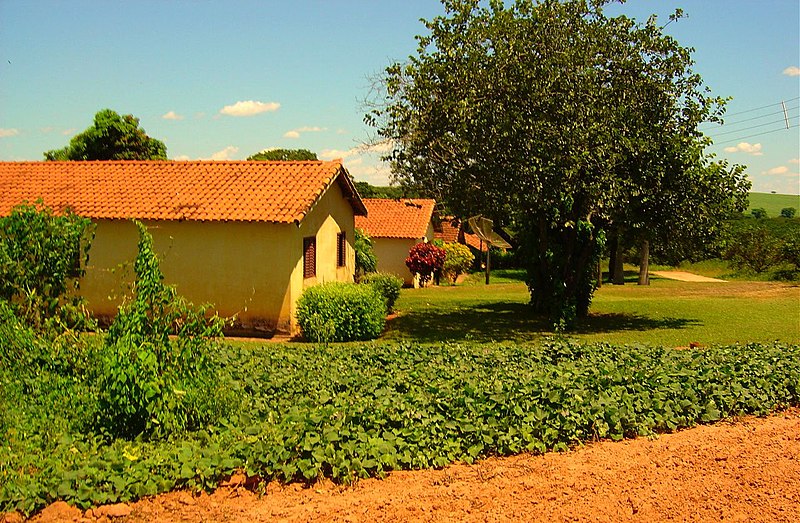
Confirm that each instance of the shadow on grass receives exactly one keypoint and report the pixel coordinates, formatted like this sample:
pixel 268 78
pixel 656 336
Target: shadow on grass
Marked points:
pixel 512 321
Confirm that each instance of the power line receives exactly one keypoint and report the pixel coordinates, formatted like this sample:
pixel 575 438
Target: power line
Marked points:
pixel 763 107
pixel 729 124
pixel 758 134
pixel 773 122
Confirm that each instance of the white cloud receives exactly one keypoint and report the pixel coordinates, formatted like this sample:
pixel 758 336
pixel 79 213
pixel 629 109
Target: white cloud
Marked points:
pixel 223 155
pixel 332 154
pixel 171 115
pixel 744 147
pixel 792 71
pixel 68 132
pixel 781 169
pixel 295 133
pixel 5 133
pixel 794 160
pixel 249 108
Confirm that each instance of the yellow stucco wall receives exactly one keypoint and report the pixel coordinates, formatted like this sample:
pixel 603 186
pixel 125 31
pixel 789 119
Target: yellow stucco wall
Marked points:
pixel 251 270
pixel 392 254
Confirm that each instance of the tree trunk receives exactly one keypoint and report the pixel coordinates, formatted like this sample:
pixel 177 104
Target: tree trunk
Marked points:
pixel 618 271
pixel 488 262
pixel 612 255
pixel 599 274
pixel 644 264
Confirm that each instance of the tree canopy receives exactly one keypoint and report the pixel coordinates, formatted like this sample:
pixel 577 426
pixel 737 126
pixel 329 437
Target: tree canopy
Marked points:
pixel 111 137
pixel 558 121
pixel 284 155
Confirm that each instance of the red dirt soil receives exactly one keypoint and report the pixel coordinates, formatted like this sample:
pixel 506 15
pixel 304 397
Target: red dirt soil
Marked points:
pixel 745 470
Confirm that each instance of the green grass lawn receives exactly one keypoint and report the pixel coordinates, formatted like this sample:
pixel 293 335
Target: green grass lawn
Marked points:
pixel 667 312
pixel 772 203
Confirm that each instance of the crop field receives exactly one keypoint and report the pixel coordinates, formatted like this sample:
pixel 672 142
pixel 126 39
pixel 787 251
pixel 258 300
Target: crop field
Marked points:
pixel 773 203
pixel 462 373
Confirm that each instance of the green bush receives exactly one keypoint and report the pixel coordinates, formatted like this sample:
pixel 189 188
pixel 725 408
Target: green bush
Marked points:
pixel 788 212
pixel 366 261
pixel 388 285
pixel 339 311
pixel 40 262
pixel 151 383
pixel 458 259
pixel 758 213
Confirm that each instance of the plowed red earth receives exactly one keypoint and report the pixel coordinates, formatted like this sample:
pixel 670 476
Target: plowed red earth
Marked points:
pixel 745 470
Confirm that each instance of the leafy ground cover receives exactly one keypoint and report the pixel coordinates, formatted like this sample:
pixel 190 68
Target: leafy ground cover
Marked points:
pixel 667 312
pixel 355 410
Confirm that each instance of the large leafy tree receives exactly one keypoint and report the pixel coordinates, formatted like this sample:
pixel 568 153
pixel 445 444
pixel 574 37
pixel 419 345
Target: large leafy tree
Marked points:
pixel 111 137
pixel 284 155
pixel 551 117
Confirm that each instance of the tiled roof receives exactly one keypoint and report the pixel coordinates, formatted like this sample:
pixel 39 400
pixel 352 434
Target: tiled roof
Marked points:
pixel 404 218
pixel 448 229
pixel 280 192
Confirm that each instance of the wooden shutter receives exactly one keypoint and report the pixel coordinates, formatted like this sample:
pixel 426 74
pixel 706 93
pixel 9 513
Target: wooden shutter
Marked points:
pixel 309 257
pixel 341 249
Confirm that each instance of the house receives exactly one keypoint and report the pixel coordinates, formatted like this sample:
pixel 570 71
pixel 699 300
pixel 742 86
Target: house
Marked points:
pixel 450 229
pixel 246 237
pixel 395 226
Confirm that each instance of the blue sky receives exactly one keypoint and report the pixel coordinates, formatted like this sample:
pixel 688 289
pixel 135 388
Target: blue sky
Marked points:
pixel 226 79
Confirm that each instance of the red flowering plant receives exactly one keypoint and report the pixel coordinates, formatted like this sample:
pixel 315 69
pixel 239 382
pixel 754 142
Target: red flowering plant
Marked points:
pixel 425 260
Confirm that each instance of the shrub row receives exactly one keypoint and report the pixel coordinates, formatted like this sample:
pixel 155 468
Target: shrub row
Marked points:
pixel 359 410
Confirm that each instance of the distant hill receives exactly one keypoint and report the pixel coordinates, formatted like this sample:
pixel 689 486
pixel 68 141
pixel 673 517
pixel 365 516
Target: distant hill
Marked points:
pixel 773 203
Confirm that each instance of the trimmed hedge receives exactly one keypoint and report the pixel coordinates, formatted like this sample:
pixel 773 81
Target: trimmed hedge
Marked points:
pixel 339 311
pixel 388 285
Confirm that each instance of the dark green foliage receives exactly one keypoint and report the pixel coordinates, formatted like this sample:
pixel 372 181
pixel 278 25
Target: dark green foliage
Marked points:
pixel 388 285
pixel 366 261
pixel 338 311
pixel 111 137
pixel 788 212
pixel 284 155
pixel 40 262
pixel 359 410
pixel 559 121
pixel 768 244
pixel 754 248
pixel 150 383
pixel 759 213
pixel 366 190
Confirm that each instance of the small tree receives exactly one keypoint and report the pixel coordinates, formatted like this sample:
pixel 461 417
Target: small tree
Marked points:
pixel 111 137
pixel 758 213
pixel 283 155
pixel 152 382
pixel 458 259
pixel 754 248
pixel 366 261
pixel 788 212
pixel 424 260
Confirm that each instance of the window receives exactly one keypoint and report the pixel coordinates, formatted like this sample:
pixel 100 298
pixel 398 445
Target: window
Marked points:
pixel 341 249
pixel 309 257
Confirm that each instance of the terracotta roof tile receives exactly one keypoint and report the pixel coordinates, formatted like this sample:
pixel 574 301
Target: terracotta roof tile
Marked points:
pixel 448 229
pixel 281 192
pixel 404 218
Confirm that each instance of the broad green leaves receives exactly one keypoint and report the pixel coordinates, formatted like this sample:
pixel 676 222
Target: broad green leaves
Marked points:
pixel 359 410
